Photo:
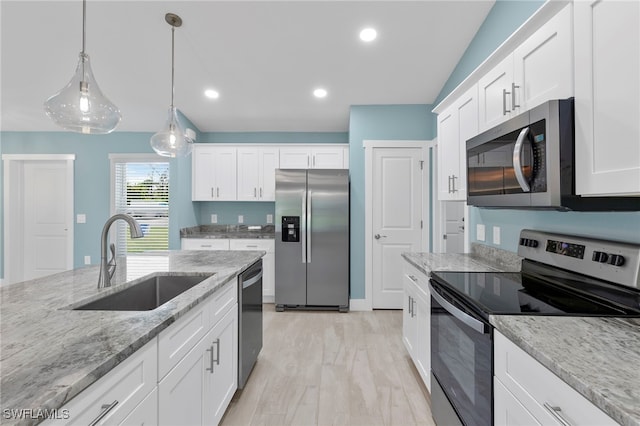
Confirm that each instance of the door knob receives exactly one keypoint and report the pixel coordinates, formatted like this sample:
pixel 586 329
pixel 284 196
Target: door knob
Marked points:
pixel 378 236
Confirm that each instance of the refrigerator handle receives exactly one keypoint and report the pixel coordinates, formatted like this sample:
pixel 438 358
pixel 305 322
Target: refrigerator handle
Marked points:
pixel 303 231
pixel 308 229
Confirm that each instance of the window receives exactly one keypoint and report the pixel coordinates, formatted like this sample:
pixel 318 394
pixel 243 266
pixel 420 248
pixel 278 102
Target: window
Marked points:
pixel 140 188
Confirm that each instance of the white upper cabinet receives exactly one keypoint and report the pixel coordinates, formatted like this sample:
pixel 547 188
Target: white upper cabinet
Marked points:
pixel 456 125
pixel 607 97
pixel 256 173
pixel 539 69
pixel 214 173
pixel 314 157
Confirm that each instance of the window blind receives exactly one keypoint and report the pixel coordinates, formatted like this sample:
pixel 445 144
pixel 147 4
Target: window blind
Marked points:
pixel 141 189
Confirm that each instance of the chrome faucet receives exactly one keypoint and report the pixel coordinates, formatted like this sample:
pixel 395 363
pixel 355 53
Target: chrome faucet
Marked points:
pixel 108 267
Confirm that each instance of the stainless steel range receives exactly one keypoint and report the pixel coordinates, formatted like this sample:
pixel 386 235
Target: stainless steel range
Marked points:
pixel 561 275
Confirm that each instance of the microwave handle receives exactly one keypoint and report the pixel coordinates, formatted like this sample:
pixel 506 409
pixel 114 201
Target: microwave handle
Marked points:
pixel 517 164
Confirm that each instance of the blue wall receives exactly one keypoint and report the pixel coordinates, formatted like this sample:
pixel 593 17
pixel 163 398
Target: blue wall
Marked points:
pixel 504 18
pixel 377 122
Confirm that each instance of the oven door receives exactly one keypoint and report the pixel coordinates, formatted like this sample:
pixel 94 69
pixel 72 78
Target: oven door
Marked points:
pixel 461 362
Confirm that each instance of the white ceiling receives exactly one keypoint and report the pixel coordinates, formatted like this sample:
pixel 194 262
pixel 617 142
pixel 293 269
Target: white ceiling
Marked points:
pixel 264 57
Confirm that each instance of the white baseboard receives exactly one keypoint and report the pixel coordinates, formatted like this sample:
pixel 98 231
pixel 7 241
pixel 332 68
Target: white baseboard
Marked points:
pixel 359 305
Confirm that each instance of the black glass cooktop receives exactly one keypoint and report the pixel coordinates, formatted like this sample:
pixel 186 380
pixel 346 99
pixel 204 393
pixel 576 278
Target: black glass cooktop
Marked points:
pixel 539 290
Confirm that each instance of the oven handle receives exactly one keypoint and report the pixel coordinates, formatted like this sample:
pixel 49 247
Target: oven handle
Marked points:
pixel 467 319
pixel 517 164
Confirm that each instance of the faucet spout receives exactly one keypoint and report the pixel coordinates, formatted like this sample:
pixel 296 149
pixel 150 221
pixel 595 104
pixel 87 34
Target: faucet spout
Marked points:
pixel 136 232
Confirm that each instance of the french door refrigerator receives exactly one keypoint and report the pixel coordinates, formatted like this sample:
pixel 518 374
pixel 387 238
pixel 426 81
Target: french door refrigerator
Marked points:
pixel 312 239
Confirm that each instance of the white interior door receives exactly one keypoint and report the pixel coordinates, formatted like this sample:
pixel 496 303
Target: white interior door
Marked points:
pixel 397 219
pixel 39 197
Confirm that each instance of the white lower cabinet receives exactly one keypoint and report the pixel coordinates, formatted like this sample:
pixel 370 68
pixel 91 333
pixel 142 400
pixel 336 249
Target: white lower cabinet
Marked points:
pixel 118 395
pixel 146 413
pixel 416 321
pixel 528 393
pixel 199 388
pixel 264 244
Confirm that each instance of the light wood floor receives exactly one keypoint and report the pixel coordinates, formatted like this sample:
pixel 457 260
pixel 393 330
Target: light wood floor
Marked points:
pixel 328 368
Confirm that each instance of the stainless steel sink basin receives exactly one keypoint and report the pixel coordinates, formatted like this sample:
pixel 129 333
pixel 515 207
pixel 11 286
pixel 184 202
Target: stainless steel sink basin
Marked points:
pixel 145 295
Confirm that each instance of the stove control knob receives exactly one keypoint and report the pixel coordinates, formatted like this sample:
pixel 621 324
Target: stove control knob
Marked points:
pixel 616 260
pixel 533 243
pixel 600 256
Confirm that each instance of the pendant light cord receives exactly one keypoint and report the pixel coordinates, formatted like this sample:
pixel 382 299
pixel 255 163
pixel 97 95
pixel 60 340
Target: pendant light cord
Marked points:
pixel 84 24
pixel 173 35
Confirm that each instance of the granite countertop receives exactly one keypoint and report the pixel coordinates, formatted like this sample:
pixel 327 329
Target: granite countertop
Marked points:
pixel 50 353
pixel 481 258
pixel 229 231
pixel 598 357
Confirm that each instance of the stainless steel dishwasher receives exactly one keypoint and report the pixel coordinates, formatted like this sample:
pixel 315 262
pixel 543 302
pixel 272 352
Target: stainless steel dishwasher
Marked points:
pixel 249 320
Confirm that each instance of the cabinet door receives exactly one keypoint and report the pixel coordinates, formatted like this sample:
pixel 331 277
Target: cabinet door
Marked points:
pixel 225 173
pixel 543 64
pixel 409 324
pixel 269 161
pixel 224 378
pixel 467 122
pixel 248 174
pixel 495 101
pixel 295 158
pixel 327 157
pixel 607 97
pixel 507 410
pixel 182 394
pixel 423 337
pixel 203 178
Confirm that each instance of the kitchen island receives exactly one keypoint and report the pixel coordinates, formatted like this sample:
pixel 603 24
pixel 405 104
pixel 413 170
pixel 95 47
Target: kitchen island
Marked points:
pixel 50 353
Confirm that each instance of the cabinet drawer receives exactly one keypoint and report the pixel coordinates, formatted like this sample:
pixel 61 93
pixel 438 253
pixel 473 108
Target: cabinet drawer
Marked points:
pixel 538 389
pixel 205 244
pixel 123 388
pixel 178 339
pixel 223 300
pixel 267 245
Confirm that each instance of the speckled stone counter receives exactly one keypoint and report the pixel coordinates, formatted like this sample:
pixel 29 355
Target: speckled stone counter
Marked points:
pixel 481 258
pixel 229 231
pixel 50 353
pixel 598 357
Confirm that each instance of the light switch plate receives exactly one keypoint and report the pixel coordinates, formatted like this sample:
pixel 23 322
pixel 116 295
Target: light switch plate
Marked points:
pixel 240 218
pixel 269 218
pixel 480 232
pixel 214 218
pixel 496 235
pixel 81 218
pixel 87 260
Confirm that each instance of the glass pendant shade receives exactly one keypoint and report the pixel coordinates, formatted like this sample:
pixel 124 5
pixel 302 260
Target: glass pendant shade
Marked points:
pixel 172 140
pixel 80 106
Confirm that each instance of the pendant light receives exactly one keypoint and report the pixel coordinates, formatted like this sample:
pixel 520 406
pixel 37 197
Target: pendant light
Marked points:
pixel 172 140
pixel 80 106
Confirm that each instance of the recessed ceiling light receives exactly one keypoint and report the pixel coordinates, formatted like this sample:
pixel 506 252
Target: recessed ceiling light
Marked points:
pixel 211 94
pixel 368 34
pixel 320 93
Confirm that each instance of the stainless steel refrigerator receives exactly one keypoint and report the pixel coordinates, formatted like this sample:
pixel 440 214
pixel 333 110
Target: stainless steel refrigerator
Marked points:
pixel 312 239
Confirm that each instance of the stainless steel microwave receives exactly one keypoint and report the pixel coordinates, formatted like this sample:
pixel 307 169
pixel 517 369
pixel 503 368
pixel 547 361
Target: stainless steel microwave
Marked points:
pixel 528 162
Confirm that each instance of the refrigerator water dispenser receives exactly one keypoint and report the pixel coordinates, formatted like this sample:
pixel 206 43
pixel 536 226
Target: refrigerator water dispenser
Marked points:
pixel 291 229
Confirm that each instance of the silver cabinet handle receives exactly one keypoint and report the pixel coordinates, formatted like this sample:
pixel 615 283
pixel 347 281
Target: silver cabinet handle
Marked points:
pixel 513 96
pixel 453 183
pixel 517 164
pixel 505 111
pixel 410 306
pixel 412 278
pixel 467 319
pixel 218 192
pixel 212 194
pixel 217 360
pixel 449 184
pixel 255 192
pixel 260 192
pixel 413 307
pixel 105 409
pixel 556 412
pixel 210 368
pixel 205 245
pixel 314 161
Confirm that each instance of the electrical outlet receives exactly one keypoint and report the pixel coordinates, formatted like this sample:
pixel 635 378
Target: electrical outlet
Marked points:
pixel 496 235
pixel 81 218
pixel 214 218
pixel 240 218
pixel 269 218
pixel 87 260
pixel 480 232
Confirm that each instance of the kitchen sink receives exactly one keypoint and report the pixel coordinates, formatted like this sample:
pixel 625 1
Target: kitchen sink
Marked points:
pixel 145 295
